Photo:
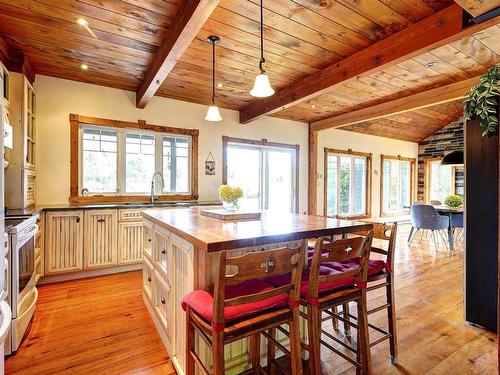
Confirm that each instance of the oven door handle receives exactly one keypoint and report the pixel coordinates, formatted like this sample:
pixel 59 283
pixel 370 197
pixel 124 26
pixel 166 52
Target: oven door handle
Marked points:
pixel 6 319
pixel 28 235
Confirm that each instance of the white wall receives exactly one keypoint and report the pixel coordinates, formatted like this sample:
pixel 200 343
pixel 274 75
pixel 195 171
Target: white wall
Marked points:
pixel 341 139
pixel 57 98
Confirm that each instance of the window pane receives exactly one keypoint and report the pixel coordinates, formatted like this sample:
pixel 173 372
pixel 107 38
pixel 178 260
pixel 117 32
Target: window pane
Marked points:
pixel 331 186
pixel 345 185
pixel 99 161
pixel 279 183
pixel 359 185
pixel 405 184
pixel 441 181
pixel 140 162
pixel 386 184
pixel 176 164
pixel 243 170
pixel 394 186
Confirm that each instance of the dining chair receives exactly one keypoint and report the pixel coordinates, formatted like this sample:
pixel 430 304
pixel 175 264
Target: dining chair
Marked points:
pixel 457 223
pixel 243 305
pixel 436 203
pixel 425 217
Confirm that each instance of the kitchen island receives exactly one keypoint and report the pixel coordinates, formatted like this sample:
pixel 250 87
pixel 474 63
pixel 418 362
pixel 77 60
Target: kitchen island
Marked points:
pixel 181 252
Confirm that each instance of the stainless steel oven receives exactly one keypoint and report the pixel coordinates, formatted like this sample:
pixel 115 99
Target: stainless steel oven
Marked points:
pixel 23 293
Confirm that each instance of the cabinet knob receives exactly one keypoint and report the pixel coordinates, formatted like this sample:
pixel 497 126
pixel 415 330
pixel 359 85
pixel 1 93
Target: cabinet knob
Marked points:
pixel 163 251
pixel 101 220
pixel 149 278
pixel 77 219
pixel 149 239
pixel 162 301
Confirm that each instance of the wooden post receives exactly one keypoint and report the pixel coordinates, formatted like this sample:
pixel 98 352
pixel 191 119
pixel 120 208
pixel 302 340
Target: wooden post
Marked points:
pixel 313 172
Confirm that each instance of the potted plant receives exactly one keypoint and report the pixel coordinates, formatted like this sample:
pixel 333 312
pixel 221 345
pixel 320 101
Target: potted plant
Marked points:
pixel 453 201
pixel 230 197
pixel 482 101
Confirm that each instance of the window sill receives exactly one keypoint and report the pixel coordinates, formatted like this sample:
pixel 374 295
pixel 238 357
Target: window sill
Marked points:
pixel 130 198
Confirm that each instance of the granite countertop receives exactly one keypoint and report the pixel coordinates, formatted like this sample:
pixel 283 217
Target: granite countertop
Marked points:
pixel 30 211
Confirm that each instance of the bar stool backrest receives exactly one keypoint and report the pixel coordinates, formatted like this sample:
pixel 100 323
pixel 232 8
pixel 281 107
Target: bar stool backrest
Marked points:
pixel 258 265
pixel 341 250
pixel 387 232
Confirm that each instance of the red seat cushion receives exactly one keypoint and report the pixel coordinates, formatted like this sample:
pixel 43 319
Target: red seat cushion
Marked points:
pixel 375 266
pixel 278 281
pixel 202 301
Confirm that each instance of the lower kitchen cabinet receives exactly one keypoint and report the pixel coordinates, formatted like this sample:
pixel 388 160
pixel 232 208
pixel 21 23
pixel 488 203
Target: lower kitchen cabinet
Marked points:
pixel 63 241
pixel 162 304
pixel 147 279
pixel 129 242
pixel 101 235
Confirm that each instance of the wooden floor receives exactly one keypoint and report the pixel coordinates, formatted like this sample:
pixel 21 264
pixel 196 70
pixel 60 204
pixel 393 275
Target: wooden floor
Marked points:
pixel 100 325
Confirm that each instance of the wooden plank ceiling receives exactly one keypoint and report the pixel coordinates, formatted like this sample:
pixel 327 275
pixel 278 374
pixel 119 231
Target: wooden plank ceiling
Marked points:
pixel 301 38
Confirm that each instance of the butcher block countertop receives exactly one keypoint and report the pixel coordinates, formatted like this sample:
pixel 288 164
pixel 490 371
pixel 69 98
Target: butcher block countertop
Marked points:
pixel 214 235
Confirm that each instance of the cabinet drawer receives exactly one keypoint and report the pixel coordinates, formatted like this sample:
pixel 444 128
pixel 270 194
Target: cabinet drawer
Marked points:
pixel 29 187
pixel 147 236
pixel 129 214
pixel 147 279
pixel 162 250
pixel 162 303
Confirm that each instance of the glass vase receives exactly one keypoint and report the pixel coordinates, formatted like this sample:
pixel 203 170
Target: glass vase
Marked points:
pixel 232 206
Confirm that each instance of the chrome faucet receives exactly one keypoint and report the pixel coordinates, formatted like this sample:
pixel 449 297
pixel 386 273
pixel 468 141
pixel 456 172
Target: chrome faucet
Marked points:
pixel 153 197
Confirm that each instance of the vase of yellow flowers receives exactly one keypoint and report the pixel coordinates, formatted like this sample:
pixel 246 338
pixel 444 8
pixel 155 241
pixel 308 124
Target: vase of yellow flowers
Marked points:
pixel 230 197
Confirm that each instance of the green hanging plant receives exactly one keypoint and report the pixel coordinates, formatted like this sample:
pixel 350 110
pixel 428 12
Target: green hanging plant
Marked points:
pixel 482 101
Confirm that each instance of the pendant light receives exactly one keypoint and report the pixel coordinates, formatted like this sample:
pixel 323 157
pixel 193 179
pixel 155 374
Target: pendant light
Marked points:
pixel 213 111
pixel 455 158
pixel 262 87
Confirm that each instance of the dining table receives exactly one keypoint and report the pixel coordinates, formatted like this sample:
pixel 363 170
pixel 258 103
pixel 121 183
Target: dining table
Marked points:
pixel 445 210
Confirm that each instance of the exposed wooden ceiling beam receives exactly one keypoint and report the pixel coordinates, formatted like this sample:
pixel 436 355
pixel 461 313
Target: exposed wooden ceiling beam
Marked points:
pixel 478 7
pixel 190 18
pixel 437 30
pixel 440 95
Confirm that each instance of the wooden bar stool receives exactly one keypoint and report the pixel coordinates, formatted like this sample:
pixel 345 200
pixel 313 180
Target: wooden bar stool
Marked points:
pixel 380 275
pixel 326 291
pixel 243 305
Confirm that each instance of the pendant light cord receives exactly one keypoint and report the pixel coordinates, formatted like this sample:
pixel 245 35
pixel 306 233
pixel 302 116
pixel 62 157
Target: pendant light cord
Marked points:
pixel 213 73
pixel 262 59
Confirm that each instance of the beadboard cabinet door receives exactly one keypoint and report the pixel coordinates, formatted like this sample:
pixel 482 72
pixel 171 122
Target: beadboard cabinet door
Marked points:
pixel 63 241
pixel 129 243
pixel 101 239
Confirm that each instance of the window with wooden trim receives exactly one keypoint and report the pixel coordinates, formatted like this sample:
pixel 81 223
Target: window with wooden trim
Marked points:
pixel 266 171
pixel 440 180
pixel 347 189
pixel 396 184
pixel 115 161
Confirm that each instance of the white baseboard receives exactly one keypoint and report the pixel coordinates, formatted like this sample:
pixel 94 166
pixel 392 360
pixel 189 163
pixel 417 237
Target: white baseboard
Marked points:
pixel 89 273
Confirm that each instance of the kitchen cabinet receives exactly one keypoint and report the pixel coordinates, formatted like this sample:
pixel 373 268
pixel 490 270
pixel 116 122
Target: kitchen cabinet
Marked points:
pixel 162 252
pixel 20 173
pixel 100 244
pixel 147 279
pixel 147 235
pixel 63 241
pixel 162 304
pixel 129 242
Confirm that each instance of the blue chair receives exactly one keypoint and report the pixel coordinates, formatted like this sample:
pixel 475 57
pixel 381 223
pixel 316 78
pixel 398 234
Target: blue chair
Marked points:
pixel 425 217
pixel 457 222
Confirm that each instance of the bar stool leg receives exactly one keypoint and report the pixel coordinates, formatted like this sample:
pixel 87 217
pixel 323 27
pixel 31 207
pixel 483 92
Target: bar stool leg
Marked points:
pixel 295 343
pixel 218 353
pixel 255 352
pixel 314 335
pixel 189 344
pixel 347 327
pixel 271 352
pixel 335 321
pixel 391 311
pixel 363 340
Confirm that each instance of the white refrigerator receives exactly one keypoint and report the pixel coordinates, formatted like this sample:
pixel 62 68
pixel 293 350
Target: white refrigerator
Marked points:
pixel 5 313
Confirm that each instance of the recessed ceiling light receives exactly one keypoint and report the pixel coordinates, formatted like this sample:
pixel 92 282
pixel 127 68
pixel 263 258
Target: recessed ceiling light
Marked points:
pixel 313 106
pixel 220 85
pixel 82 21
pixel 84 67
pixel 430 64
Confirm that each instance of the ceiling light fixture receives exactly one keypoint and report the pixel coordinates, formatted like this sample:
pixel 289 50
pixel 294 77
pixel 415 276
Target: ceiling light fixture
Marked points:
pixel 454 158
pixel 84 67
pixel 213 111
pixel 220 85
pixel 85 24
pixel 262 87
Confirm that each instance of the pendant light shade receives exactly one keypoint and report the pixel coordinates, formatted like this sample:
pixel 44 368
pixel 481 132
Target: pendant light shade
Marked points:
pixel 213 114
pixel 262 87
pixel 453 158
pixel 213 111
